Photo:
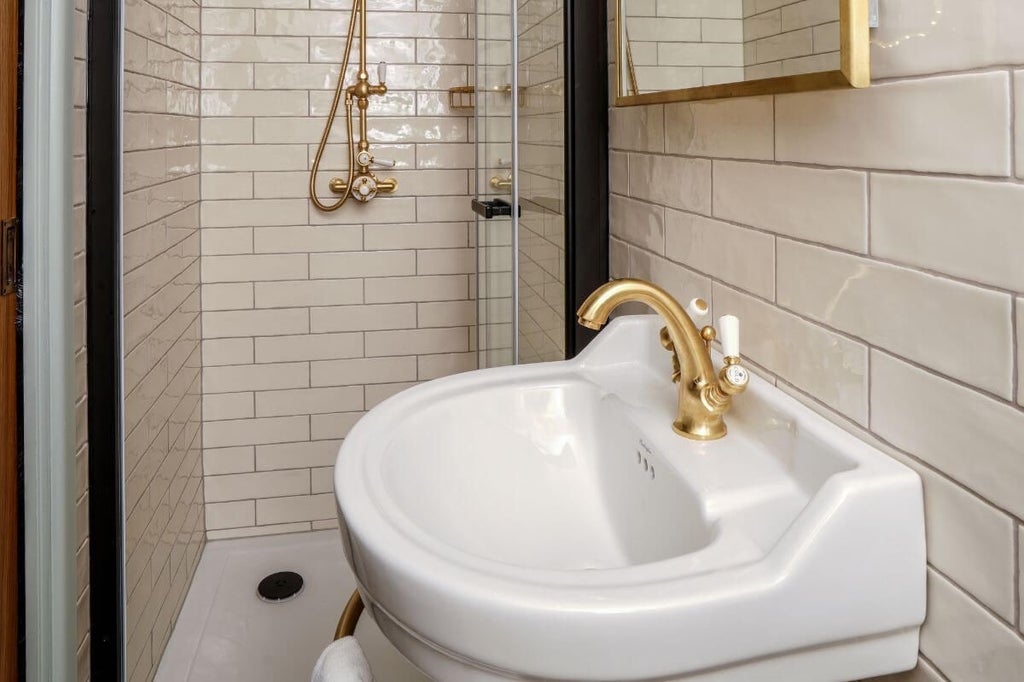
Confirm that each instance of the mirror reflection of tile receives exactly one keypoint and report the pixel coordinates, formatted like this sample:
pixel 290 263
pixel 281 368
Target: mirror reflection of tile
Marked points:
pixel 692 43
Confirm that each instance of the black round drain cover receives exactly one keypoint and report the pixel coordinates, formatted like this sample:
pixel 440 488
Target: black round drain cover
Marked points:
pixel 280 586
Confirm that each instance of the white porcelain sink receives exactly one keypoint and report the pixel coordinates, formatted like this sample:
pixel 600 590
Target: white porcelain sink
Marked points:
pixel 545 522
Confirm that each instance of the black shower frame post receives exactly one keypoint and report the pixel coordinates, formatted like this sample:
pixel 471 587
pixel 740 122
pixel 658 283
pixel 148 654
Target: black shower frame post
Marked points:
pixel 586 160
pixel 103 338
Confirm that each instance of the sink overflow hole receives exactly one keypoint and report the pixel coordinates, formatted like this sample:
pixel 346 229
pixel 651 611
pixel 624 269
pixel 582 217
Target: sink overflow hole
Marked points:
pixel 280 587
pixel 642 461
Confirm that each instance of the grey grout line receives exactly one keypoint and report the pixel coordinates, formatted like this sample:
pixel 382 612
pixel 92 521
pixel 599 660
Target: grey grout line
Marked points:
pixel 956 175
pixel 1013 124
pixel 867 387
pixel 1015 348
pixel 934 667
pixel 991 68
pixel 838 249
pixel 960 588
pixel 1018 575
pixel 867 214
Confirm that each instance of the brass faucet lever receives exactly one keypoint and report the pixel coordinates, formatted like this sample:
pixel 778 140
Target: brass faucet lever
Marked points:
pixel 704 394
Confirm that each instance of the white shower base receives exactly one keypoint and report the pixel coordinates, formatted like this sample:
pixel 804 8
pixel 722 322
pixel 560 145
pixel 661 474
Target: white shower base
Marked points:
pixel 227 634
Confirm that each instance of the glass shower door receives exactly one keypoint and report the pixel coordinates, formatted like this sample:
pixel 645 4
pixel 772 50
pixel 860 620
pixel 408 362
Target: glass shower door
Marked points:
pixel 495 183
pixel 520 128
pixel 540 133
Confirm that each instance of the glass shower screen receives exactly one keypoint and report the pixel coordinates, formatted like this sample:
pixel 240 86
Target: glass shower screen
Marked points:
pixel 520 160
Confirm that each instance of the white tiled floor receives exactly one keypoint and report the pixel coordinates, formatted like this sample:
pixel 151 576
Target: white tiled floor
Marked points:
pixel 226 634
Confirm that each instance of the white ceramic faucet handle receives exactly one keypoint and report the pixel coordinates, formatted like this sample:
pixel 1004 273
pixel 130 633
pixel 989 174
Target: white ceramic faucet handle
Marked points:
pixel 384 163
pixel 697 308
pixel 729 333
pixel 382 72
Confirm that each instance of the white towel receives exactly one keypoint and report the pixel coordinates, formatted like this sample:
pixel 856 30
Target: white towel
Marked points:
pixel 343 661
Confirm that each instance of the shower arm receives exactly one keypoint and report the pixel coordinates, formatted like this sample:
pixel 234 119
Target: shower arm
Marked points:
pixel 360 183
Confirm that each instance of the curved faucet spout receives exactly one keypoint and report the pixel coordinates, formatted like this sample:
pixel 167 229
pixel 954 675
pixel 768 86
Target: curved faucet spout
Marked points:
pixel 704 396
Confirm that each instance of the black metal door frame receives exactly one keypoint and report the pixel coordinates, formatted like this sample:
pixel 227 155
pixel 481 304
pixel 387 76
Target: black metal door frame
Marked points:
pixel 586 160
pixel 103 336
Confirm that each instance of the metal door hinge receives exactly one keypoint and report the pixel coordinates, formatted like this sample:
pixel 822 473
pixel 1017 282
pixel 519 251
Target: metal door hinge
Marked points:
pixel 8 256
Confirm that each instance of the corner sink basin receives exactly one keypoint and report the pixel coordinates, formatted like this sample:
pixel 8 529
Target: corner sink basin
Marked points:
pixel 544 522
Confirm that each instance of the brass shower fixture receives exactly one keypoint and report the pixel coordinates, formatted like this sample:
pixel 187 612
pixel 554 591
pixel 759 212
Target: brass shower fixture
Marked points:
pixel 361 184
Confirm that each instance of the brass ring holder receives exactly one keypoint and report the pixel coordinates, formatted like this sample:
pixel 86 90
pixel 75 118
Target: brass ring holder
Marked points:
pixel 350 616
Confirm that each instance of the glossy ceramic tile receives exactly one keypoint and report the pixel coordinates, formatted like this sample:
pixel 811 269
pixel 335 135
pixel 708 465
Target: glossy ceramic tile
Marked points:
pixel 1020 351
pixel 363 317
pixel 965 641
pixel 826 365
pixel 328 346
pixel 676 182
pixel 1018 89
pixel 256 485
pixel 218 352
pixel 897 125
pixel 736 128
pixel 637 129
pixel 638 222
pixel 921 413
pixel 932 36
pixel 907 312
pixel 738 256
pixel 320 453
pixel 263 377
pixel 282 641
pixel 970 541
pixel 826 206
pixel 965 228
pixel 164 496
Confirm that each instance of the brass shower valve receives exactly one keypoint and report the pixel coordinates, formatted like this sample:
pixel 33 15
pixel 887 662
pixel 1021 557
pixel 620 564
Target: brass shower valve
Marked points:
pixel 361 183
pixel 365 186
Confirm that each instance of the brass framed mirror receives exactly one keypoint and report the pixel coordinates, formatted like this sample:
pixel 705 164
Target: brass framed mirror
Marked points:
pixel 683 50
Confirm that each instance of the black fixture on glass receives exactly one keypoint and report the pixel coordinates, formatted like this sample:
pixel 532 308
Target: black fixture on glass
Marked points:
pixel 492 208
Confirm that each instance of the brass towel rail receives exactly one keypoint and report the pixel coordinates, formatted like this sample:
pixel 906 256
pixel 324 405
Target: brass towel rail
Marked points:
pixel 349 617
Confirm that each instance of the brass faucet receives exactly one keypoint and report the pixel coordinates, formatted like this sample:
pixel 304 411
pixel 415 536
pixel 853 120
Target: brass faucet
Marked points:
pixel 704 395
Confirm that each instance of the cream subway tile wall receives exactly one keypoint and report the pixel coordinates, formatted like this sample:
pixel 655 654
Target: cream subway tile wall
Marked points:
pixel 310 318
pixel 872 243
pixel 81 48
pixel 164 519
